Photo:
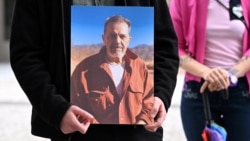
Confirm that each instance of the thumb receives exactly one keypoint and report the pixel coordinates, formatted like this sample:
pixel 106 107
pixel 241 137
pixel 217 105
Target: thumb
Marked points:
pixel 204 86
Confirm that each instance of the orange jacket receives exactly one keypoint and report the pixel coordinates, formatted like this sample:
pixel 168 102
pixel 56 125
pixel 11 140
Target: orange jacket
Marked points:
pixel 92 89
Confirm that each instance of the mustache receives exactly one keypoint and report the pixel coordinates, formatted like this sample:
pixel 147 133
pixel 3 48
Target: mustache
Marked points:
pixel 117 46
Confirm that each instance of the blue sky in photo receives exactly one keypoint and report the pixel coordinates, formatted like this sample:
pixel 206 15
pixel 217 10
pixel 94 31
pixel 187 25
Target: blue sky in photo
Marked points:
pixel 87 23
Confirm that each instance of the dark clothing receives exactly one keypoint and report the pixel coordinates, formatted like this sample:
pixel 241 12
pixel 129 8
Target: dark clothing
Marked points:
pixel 192 111
pixel 115 133
pixel 93 89
pixel 40 57
pixel 119 133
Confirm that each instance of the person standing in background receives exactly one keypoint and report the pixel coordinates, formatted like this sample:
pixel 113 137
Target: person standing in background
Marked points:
pixel 214 49
pixel 40 59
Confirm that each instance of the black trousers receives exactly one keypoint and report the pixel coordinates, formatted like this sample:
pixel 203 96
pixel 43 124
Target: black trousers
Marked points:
pixel 118 133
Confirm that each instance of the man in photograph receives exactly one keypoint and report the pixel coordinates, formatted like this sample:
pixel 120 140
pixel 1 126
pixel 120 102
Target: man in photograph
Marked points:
pixel 114 85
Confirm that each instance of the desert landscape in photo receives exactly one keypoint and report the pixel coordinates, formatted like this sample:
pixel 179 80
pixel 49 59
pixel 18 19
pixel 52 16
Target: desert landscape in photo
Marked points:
pixel 80 52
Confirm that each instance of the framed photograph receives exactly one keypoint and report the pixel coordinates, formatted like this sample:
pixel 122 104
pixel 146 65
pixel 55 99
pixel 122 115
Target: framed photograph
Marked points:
pixel 112 63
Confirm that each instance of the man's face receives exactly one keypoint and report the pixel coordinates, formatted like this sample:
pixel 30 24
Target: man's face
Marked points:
pixel 116 39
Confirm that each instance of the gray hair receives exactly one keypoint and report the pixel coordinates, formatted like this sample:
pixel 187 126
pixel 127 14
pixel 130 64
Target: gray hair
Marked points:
pixel 115 19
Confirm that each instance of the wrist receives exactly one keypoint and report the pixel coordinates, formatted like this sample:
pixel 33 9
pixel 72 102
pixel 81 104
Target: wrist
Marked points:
pixel 233 79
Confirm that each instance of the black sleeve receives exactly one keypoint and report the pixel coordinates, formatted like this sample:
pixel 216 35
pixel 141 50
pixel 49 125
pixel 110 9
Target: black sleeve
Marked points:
pixel 29 61
pixel 166 53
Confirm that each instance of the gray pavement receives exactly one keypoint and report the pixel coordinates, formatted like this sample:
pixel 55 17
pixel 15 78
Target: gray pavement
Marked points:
pixel 16 111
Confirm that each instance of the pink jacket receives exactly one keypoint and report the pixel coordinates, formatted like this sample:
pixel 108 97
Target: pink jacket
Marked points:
pixel 189 19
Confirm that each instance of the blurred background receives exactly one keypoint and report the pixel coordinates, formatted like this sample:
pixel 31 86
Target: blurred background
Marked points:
pixel 6 9
pixel 16 110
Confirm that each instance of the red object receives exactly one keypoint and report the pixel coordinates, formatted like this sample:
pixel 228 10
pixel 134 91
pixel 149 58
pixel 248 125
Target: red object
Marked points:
pixel 205 135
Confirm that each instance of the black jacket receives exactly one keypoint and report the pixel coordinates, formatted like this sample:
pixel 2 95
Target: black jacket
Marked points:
pixel 40 57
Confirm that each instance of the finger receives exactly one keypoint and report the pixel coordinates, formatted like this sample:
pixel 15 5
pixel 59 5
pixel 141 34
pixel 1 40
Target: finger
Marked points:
pixel 221 79
pixel 203 87
pixel 154 110
pixel 82 114
pixel 161 115
pixel 159 108
pixel 156 105
pixel 84 119
pixel 70 124
pixel 208 78
pixel 212 77
pixel 154 126
pixel 158 120
pixel 83 127
pixel 151 127
pixel 212 87
pixel 155 114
